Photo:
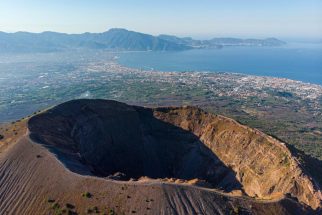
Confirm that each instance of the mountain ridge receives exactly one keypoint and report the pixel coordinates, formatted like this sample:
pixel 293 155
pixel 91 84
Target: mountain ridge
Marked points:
pixel 220 42
pixel 115 39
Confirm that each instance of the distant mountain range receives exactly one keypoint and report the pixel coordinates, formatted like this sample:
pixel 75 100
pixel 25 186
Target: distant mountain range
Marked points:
pixel 221 42
pixel 115 39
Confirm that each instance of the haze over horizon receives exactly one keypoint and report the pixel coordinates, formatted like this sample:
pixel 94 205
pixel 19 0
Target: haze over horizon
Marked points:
pixel 249 18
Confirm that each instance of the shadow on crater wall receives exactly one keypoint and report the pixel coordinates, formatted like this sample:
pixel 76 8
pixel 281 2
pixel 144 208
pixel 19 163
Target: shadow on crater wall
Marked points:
pixel 103 137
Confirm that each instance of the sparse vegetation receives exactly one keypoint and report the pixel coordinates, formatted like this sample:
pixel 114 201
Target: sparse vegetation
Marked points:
pixel 95 209
pixel 111 212
pixel 286 161
pixel 69 206
pixel 50 200
pixel 57 209
pixel 235 210
pixel 55 206
pixel 87 195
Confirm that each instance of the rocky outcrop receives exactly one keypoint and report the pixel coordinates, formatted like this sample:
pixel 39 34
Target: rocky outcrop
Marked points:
pixel 263 165
pixel 109 137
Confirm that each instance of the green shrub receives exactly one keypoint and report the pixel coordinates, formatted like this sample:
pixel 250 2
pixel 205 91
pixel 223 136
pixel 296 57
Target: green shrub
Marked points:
pixel 55 206
pixel 111 212
pixel 87 195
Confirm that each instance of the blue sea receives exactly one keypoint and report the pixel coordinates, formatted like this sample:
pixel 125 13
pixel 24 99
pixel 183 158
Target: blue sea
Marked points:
pixel 297 61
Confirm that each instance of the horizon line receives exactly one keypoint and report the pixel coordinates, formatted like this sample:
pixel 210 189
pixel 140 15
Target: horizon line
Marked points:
pixel 130 30
pixel 203 36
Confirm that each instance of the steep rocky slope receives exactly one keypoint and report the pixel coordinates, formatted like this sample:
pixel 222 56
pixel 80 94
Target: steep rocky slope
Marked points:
pixel 84 144
pixel 263 165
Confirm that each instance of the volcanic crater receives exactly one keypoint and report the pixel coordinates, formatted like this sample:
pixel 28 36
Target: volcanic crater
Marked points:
pixel 106 138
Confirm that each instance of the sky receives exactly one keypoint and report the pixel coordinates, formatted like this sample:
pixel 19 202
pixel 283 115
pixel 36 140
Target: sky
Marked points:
pixel 200 19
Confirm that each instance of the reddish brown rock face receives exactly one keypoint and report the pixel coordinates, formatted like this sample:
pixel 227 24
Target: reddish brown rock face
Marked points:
pixel 263 165
pixel 107 137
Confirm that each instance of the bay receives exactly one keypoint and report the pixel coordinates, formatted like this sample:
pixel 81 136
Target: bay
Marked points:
pixel 297 61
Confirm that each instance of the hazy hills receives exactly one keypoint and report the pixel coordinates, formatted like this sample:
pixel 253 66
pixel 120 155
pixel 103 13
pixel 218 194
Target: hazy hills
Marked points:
pixel 115 39
pixel 221 42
